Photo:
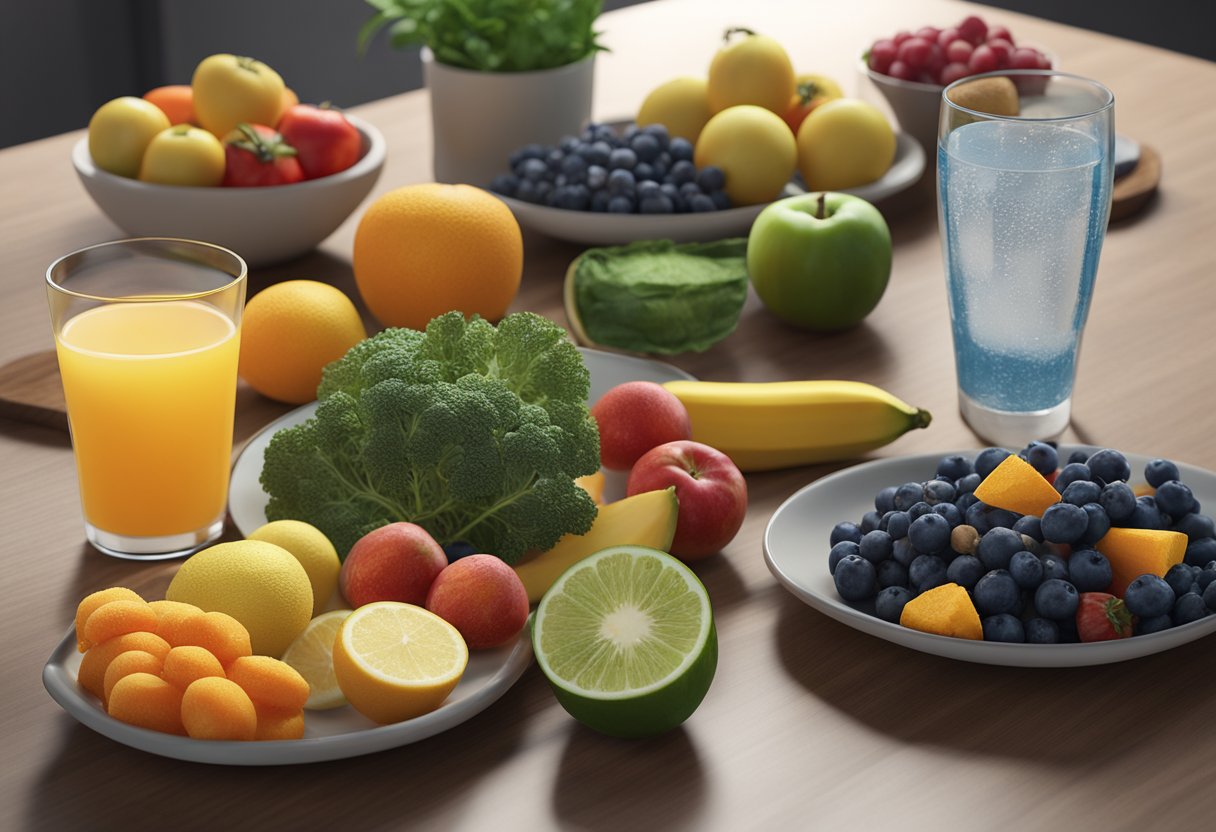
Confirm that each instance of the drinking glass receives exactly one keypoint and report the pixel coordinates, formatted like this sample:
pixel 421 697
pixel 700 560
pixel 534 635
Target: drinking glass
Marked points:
pixel 1023 206
pixel 147 332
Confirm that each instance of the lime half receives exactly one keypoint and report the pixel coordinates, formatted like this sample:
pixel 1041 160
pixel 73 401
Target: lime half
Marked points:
pixel 626 638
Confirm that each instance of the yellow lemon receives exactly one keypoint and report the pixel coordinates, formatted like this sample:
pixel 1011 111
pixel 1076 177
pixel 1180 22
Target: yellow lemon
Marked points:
pixel 681 105
pixel 312 656
pixel 290 331
pixel 312 549
pixel 396 661
pixel 259 584
pixel 754 148
pixel 844 143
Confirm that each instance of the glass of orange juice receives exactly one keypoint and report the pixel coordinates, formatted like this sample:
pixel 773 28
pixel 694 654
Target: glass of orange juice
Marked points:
pixel 148 333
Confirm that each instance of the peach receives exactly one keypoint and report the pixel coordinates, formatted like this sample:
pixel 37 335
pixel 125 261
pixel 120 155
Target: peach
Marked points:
pixel 636 416
pixel 481 597
pixel 397 562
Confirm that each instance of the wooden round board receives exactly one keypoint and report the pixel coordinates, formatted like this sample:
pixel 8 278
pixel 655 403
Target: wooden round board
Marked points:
pixel 1133 192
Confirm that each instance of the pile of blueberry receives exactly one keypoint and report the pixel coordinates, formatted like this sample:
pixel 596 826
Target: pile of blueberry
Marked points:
pixel 643 170
pixel 924 534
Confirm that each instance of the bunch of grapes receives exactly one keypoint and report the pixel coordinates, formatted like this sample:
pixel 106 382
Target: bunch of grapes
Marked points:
pixel 642 170
pixel 942 56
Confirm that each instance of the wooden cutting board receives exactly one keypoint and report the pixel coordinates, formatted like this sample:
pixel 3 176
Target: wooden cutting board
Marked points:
pixel 1133 192
pixel 30 391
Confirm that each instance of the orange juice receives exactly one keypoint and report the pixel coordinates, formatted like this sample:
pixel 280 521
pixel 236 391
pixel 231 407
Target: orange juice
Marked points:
pixel 151 393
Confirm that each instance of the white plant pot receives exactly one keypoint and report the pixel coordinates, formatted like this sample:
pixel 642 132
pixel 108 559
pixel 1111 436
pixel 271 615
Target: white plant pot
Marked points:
pixel 479 118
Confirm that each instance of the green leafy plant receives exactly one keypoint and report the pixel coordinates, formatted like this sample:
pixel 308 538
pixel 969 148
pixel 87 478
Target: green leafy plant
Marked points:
pixel 490 35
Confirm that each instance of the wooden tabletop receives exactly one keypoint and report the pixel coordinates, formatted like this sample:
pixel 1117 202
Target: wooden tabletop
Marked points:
pixel 809 724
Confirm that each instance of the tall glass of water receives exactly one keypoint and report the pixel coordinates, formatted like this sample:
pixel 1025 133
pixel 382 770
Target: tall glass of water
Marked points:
pixel 1023 206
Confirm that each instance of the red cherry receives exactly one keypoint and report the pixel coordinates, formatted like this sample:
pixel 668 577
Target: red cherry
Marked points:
pixel 951 72
pixel 915 52
pixel 959 51
pixel 982 59
pixel 929 33
pixel 973 29
pixel 999 32
pixel 947 36
pixel 901 36
pixel 1024 58
pixel 882 54
pixel 1003 50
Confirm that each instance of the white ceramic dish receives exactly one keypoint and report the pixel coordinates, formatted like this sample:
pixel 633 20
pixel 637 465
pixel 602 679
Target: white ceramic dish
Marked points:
pixel 328 735
pixel 796 551
pixel 262 225
pixel 247 500
pixel 611 229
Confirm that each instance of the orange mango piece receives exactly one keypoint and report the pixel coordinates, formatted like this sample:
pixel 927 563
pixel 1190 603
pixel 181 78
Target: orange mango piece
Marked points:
pixel 945 610
pixel 1136 552
pixel 1015 485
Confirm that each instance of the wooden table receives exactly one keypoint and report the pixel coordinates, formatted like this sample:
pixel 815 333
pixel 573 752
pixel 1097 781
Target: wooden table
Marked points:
pixel 809 724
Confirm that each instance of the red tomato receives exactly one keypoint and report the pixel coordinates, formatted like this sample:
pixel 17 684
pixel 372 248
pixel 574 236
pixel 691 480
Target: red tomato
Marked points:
pixel 325 141
pixel 256 155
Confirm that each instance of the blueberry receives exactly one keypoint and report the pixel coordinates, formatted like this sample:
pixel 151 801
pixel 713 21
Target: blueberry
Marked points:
pixel 1180 578
pixel 553 160
pixel 505 184
pixel 855 578
pixel 623 158
pixel 908 495
pixel 689 189
pixel 875 546
pixel 528 151
pixel 1004 627
pixel 1207 576
pixel 950 511
pixel 1200 552
pixel 680 149
pixel 1159 471
pixel 621 182
pixel 997 592
pixel 1109 465
pixel 720 198
pixel 1078 456
pixel 660 169
pixel 659 133
pixel 1174 498
pixel 926 572
pixel 840 551
pixel 1190 607
pixel 889 605
pixel 1026 569
pixel 620 204
pixel 647 188
pixel 965 570
pixel 1064 523
pixel 1146 514
pixel 1195 526
pixel 1068 631
pixel 599 153
pixel 1056 599
pixel 1042 457
pixel 1030 526
pixel 569 144
pixel 711 179
pixel 575 198
pixel 977 515
pixel 919 509
pixel 700 203
pixel 683 172
pixel 937 491
pixel 902 551
pixel 644 171
pixel 1070 473
pixel 1118 500
pixel 1054 566
pixel 1089 571
pixel 967 484
pixel 987 460
pixel 629 132
pixel 1081 492
pixel 892 573
pixel 898 524
pixel 869 522
pixel 929 533
pixel 660 204
pixel 1001 518
pixel 966 501
pixel 458 549
pixel 1098 525
pixel 997 547
pixel 1209 596
pixel 600 200
pixel 534 170
pixel 1041 631
pixel 884 500
pixel 1148 596
pixel 544 190
pixel 574 167
pixel 526 190
pixel 955 466
pixel 673 193
pixel 597 177
pixel 1153 625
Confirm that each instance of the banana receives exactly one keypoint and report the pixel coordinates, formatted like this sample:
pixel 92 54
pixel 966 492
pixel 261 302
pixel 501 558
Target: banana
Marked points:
pixel 762 426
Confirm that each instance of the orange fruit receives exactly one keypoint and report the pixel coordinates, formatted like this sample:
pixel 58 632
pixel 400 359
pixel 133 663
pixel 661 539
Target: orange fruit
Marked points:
pixel 90 603
pixel 290 331
pixel 424 250
pixel 148 701
pixel 217 709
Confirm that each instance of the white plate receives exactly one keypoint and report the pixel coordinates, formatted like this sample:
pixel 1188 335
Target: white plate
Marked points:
pixel 609 229
pixel 247 501
pixel 796 550
pixel 328 735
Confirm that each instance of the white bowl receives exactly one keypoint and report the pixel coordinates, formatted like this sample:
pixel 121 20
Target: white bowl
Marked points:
pixel 915 105
pixel 263 225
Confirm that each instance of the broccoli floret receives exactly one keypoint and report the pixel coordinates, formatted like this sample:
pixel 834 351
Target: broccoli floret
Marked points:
pixel 473 432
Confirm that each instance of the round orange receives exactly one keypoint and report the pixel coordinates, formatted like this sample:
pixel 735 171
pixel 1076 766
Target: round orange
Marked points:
pixel 290 331
pixel 424 250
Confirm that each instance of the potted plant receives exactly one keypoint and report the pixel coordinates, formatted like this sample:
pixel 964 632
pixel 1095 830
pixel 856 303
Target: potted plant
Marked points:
pixel 501 73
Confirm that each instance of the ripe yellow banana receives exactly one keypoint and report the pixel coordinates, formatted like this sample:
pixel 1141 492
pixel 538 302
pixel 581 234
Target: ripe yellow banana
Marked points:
pixel 762 426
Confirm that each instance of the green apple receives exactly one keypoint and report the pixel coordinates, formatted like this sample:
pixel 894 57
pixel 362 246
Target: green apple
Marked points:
pixel 820 261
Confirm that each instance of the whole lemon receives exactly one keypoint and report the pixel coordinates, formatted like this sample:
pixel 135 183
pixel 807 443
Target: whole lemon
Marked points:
pixel 752 69
pixel 844 143
pixel 681 105
pixel 259 584
pixel 312 549
pixel 290 331
pixel 754 148
pixel 424 250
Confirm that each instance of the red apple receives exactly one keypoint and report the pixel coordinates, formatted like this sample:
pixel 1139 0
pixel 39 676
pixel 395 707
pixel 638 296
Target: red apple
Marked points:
pixel 711 491
pixel 633 418
pixel 397 562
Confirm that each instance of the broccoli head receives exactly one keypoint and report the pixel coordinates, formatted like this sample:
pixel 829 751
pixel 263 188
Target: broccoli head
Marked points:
pixel 474 432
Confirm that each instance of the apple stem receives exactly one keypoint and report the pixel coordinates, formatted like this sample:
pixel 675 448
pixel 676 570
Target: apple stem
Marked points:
pixel 821 207
pixel 736 30
pixel 806 91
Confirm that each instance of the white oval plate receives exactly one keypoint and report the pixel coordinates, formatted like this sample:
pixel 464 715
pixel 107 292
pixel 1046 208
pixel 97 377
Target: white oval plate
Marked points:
pixel 796 551
pixel 247 501
pixel 610 229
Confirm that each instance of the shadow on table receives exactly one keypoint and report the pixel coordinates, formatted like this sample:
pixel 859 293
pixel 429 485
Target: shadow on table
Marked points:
pixel 1063 716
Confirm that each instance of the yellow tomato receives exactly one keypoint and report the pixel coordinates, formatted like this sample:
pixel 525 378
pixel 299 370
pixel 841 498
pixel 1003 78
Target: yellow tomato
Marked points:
pixel 183 155
pixel 753 69
pixel 844 143
pixel 229 90
pixel 120 131
pixel 753 147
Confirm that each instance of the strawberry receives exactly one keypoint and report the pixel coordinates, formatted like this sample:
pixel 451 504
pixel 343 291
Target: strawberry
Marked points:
pixel 1102 617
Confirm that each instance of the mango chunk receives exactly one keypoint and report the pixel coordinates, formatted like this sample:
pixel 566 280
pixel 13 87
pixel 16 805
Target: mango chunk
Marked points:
pixel 945 610
pixel 1015 485
pixel 1136 552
